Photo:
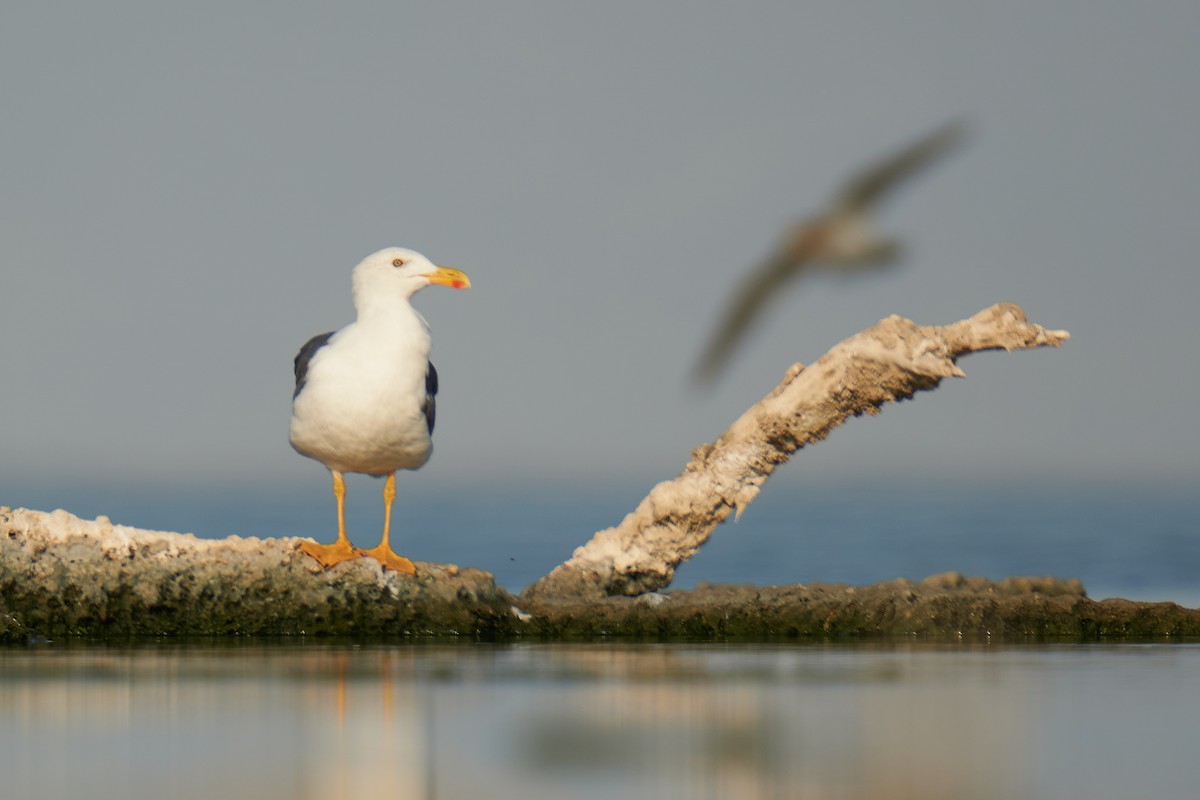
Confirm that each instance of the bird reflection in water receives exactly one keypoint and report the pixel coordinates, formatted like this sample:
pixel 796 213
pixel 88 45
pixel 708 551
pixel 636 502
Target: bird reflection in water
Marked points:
pixel 424 721
pixel 383 745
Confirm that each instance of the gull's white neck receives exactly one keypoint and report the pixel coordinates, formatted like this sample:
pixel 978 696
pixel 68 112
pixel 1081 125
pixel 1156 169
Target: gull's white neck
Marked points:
pixel 384 307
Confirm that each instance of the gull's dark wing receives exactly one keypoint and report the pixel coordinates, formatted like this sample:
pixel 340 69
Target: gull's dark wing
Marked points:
pixel 305 356
pixel 755 293
pixel 866 188
pixel 429 407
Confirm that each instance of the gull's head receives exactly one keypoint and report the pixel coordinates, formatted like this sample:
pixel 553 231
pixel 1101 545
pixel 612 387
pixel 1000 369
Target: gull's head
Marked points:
pixel 396 272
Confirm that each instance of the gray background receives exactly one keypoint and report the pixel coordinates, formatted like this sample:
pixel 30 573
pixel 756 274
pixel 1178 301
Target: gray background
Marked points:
pixel 184 190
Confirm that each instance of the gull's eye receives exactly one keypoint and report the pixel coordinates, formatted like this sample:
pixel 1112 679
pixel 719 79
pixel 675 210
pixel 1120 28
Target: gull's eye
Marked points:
pixel 397 262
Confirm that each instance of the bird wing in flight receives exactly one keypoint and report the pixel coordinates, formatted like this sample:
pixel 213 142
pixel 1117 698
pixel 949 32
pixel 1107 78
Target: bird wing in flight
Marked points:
pixel 868 186
pixel 763 283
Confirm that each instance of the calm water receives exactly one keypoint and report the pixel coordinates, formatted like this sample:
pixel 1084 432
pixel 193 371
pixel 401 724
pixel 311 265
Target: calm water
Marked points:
pixel 600 721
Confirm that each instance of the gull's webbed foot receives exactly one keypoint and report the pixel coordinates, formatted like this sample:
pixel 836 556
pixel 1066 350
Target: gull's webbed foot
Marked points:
pixel 330 554
pixel 389 560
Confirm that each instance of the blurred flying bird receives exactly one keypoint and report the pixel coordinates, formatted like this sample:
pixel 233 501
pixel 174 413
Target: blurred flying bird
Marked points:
pixel 841 239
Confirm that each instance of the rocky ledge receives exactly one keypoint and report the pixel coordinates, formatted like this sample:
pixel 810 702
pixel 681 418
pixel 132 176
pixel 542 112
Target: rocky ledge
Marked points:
pixel 62 577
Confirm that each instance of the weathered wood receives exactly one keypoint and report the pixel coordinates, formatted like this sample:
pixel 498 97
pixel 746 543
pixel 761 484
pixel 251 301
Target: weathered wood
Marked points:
pixel 890 361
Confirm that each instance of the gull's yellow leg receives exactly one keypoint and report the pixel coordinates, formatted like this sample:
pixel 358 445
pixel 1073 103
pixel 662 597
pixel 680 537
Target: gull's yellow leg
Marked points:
pixel 383 552
pixel 341 550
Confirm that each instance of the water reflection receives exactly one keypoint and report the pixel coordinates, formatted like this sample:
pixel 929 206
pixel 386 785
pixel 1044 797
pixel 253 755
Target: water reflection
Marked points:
pixel 421 721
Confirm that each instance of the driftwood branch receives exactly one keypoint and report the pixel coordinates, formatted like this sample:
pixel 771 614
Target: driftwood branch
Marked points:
pixel 890 361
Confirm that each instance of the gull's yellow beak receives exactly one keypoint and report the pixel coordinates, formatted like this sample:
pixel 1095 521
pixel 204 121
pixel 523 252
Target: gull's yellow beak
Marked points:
pixel 448 276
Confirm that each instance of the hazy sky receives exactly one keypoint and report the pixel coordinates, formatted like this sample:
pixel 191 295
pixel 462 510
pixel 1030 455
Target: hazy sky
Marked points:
pixel 186 187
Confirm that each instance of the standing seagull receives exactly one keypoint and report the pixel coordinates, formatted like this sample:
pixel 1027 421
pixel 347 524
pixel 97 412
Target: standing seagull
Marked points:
pixel 841 239
pixel 364 399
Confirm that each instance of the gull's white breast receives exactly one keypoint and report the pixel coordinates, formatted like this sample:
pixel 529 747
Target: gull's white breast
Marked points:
pixel 360 409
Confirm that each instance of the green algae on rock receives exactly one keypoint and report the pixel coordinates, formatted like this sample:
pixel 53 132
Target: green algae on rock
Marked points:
pixel 947 607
